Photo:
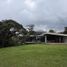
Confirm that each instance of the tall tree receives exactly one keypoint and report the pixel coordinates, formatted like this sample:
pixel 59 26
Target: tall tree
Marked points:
pixel 51 31
pixel 30 29
pixel 6 34
pixel 65 30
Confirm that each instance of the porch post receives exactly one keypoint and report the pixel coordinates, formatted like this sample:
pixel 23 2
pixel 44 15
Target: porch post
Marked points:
pixel 45 38
pixel 36 38
pixel 59 39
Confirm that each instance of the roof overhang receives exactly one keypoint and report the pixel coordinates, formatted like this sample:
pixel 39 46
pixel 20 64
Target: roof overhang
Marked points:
pixel 57 34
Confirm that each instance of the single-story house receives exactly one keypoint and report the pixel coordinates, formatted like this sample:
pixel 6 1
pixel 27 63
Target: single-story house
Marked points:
pixel 48 38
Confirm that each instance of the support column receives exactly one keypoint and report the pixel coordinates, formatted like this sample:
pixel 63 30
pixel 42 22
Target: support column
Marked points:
pixel 36 38
pixel 45 38
pixel 65 39
pixel 59 39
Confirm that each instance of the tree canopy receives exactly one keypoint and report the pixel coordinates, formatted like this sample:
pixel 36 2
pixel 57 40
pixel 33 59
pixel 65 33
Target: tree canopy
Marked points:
pixel 51 31
pixel 65 30
pixel 6 34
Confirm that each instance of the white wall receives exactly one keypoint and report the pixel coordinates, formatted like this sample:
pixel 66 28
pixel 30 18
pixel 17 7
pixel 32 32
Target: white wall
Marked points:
pixel 65 39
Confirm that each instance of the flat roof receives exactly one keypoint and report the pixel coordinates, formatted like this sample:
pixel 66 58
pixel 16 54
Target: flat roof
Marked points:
pixel 57 34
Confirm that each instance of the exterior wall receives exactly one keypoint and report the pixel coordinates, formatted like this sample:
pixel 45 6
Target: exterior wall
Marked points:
pixel 47 39
pixel 54 39
pixel 65 39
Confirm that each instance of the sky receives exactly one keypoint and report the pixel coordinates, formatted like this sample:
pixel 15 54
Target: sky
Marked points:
pixel 44 14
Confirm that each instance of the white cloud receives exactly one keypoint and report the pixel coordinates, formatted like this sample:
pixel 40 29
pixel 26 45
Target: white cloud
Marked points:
pixel 8 1
pixel 51 13
pixel 30 4
pixel 41 28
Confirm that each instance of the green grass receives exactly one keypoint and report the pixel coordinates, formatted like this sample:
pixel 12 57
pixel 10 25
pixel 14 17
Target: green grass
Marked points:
pixel 34 56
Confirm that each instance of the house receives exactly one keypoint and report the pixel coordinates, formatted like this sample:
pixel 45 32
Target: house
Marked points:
pixel 48 38
pixel 53 38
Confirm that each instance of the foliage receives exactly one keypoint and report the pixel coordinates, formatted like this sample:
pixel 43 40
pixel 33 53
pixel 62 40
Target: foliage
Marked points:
pixel 5 33
pixel 30 29
pixel 65 31
pixel 51 31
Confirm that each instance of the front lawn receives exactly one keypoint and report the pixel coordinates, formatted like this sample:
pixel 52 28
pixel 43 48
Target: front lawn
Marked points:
pixel 38 55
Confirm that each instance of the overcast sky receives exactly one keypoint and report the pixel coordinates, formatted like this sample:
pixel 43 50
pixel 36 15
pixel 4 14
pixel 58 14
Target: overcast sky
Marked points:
pixel 44 14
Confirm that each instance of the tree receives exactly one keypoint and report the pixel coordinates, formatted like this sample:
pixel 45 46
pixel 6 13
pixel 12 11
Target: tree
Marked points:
pixel 65 30
pixel 51 31
pixel 6 34
pixel 30 29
